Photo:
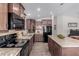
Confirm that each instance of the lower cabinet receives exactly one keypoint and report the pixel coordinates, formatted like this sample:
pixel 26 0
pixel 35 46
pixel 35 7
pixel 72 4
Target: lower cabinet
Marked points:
pixel 24 51
pixel 57 50
pixel 38 38
pixel 54 48
pixel 27 47
pixel 30 45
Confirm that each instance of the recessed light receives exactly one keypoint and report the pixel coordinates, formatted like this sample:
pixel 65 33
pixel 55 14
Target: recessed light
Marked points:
pixel 38 9
pixel 38 15
pixel 28 14
pixel 61 3
pixel 51 12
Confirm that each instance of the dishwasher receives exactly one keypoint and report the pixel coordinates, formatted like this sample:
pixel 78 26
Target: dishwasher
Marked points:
pixel 24 51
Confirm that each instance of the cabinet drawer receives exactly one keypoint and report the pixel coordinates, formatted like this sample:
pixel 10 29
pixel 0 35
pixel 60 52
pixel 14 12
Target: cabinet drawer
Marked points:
pixel 38 37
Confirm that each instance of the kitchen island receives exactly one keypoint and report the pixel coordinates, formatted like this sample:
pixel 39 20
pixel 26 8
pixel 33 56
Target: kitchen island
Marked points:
pixel 63 47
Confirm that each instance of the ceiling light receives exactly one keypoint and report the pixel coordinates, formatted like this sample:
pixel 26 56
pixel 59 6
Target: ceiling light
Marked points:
pixel 38 15
pixel 51 12
pixel 38 9
pixel 28 14
pixel 61 3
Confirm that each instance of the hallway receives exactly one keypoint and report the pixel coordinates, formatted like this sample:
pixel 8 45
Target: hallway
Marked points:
pixel 40 49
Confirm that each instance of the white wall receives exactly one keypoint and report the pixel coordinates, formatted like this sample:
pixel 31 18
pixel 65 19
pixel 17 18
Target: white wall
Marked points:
pixel 69 19
pixel 52 25
pixel 55 23
pixel 62 24
pixel 59 25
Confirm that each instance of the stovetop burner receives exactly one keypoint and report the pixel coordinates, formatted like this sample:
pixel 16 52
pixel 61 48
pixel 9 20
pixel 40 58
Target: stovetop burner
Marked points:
pixel 10 45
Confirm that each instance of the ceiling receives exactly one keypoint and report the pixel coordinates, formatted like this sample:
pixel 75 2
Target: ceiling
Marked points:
pixel 42 10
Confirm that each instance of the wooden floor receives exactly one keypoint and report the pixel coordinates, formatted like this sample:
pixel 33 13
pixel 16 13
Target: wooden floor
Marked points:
pixel 40 49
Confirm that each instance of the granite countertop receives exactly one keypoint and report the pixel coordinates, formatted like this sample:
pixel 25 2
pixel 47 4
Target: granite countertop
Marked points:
pixel 66 42
pixel 21 43
pixel 9 51
pixel 9 32
pixel 27 37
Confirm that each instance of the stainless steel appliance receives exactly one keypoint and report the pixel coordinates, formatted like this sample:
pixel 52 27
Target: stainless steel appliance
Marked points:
pixel 47 30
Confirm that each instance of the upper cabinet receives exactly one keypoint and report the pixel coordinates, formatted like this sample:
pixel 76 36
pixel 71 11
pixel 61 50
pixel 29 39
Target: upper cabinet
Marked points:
pixel 3 16
pixel 39 27
pixel 31 25
pixel 22 14
pixel 11 14
pixel 47 22
pixel 16 8
pixel 16 16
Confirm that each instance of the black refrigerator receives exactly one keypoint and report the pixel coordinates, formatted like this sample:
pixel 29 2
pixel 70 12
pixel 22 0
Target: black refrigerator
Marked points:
pixel 47 30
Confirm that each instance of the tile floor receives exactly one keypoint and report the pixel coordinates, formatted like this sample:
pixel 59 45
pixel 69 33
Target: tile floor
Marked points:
pixel 40 49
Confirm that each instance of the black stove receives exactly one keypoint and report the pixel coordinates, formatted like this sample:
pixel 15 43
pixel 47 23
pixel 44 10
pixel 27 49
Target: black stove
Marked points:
pixel 8 41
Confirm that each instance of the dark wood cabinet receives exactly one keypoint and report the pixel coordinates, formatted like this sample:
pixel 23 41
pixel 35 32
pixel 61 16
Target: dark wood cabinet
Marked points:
pixel 3 16
pixel 51 46
pixel 27 47
pixel 30 45
pixel 47 22
pixel 54 48
pixel 38 38
pixel 30 25
pixel 57 50
pixel 6 9
pixel 16 16
pixel 24 51
pixel 16 8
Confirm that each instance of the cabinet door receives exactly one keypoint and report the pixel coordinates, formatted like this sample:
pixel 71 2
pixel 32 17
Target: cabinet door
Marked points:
pixel 44 22
pixel 51 46
pixel 30 45
pixel 3 16
pixel 39 38
pixel 54 48
pixel 28 24
pixel 57 50
pixel 26 52
pixel 14 8
pixel 49 22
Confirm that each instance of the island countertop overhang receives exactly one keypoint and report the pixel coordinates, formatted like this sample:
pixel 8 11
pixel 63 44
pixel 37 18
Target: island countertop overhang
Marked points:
pixel 66 42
